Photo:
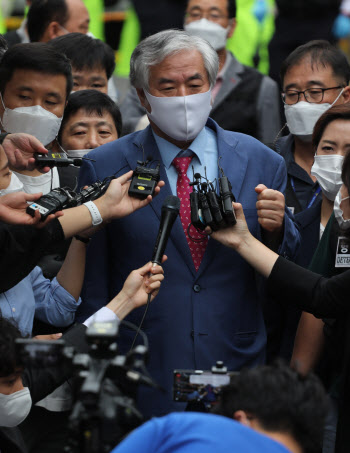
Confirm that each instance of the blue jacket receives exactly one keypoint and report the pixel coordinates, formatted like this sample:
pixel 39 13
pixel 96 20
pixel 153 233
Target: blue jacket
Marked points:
pixel 197 318
pixel 197 433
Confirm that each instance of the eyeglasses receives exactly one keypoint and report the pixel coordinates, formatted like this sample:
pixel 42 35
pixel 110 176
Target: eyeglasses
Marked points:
pixel 312 95
pixel 214 16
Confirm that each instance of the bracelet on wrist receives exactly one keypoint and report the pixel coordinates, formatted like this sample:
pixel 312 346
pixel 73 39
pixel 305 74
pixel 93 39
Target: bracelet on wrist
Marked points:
pixel 95 213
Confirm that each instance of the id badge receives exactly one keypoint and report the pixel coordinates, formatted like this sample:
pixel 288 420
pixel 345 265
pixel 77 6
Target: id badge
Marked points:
pixel 342 257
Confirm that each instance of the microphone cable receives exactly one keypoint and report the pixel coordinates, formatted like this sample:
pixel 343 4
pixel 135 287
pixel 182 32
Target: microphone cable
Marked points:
pixel 138 331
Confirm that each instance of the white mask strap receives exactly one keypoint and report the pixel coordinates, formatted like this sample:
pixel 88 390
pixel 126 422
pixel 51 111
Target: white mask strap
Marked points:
pixel 342 91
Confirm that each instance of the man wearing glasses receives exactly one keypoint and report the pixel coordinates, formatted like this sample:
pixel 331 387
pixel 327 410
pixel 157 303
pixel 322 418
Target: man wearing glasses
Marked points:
pixel 314 77
pixel 243 99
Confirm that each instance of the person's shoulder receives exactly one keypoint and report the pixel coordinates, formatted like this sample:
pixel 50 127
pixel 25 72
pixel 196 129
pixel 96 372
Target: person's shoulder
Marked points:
pixel 122 144
pixel 248 145
pixel 218 429
pixel 12 37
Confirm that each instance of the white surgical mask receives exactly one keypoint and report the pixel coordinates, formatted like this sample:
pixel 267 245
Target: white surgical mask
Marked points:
pixel 14 186
pixel 33 120
pixel 180 117
pixel 338 212
pixel 302 117
pixel 215 34
pixel 327 170
pixel 78 152
pixel 14 408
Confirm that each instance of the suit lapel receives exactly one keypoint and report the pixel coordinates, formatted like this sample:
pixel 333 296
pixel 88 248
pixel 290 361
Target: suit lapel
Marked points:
pixel 146 140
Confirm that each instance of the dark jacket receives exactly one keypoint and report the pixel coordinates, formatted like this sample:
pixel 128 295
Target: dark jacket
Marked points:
pixel 22 247
pixel 322 297
pixel 12 38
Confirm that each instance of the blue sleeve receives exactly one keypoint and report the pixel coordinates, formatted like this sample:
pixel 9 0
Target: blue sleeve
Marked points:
pixel 144 439
pixel 53 304
pixel 291 235
pixel 95 292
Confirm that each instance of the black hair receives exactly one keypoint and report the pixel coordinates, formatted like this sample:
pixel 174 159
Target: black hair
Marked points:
pixel 38 57
pixel 345 174
pixel 41 13
pixel 91 101
pixel 8 334
pixel 3 46
pixel 321 53
pixel 231 4
pixel 85 52
pixel 337 112
pixel 281 400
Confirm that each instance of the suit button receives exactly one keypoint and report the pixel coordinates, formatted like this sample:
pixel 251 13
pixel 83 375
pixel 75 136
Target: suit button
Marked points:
pixel 192 334
pixel 196 288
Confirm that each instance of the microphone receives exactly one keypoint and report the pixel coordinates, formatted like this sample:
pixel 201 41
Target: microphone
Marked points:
pixel 170 210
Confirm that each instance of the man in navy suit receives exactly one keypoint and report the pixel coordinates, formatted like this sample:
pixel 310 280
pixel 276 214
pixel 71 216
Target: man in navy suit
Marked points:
pixel 209 307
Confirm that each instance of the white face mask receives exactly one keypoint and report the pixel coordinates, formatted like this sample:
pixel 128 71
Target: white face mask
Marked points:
pixel 327 170
pixel 302 117
pixel 215 34
pixel 14 408
pixel 338 212
pixel 180 117
pixel 33 120
pixel 78 152
pixel 14 186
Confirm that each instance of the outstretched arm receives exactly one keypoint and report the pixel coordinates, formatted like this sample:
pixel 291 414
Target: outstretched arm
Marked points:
pixel 291 283
pixel 239 238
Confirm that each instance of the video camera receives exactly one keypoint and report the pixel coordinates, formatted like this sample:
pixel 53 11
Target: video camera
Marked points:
pixel 104 387
pixel 200 389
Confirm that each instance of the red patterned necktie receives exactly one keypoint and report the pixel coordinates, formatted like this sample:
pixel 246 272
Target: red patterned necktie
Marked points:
pixel 183 192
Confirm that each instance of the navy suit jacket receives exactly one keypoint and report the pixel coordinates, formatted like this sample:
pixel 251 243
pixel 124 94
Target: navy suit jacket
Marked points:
pixel 198 317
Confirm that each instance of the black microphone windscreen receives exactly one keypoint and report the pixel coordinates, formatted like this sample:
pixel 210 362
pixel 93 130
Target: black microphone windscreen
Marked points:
pixel 172 202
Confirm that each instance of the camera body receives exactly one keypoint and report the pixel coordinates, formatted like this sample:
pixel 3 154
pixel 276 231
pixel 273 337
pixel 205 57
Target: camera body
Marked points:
pixel 104 384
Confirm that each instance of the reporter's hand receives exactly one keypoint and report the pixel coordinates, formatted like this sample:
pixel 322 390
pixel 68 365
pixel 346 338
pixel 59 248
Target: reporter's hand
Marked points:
pixel 13 209
pixel 136 289
pixel 20 148
pixel 270 207
pixel 233 236
pixel 139 284
pixel 53 336
pixel 116 203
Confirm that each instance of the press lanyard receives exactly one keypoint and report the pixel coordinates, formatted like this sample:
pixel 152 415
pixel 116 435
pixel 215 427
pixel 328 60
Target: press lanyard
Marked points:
pixel 312 201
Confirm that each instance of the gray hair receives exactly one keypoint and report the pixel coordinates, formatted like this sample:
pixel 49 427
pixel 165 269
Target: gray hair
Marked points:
pixel 154 49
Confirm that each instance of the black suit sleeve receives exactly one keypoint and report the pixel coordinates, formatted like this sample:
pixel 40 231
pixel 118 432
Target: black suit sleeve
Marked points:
pixel 22 247
pixel 323 297
pixel 43 382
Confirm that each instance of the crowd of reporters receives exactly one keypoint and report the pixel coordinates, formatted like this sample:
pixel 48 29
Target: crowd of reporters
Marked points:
pixel 75 270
